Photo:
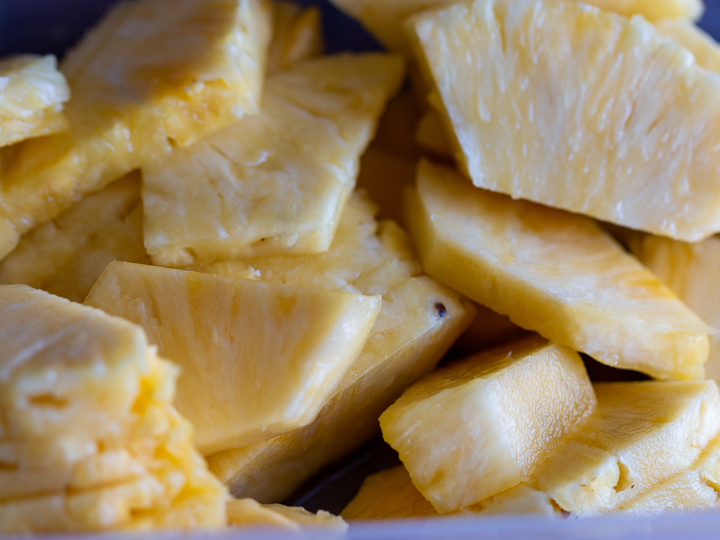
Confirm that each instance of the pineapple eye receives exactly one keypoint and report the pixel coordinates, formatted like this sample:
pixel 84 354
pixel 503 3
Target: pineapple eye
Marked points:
pixel 441 309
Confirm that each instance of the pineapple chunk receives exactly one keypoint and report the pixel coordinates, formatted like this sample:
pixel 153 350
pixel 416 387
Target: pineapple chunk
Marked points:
pixel 250 513
pixel 274 183
pixel 297 35
pixel 556 273
pixel 460 440
pixel 66 255
pixel 579 109
pixel 32 95
pixel 704 47
pixel 87 392
pixel 152 75
pixel 390 494
pixel 642 434
pixel 258 359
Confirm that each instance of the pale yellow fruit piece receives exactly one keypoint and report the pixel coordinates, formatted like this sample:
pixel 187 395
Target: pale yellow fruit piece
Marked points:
pixel 32 95
pixel 642 434
pixel 150 76
pixel 250 513
pixel 297 35
pixel 390 494
pixel 274 183
pixel 703 46
pixel 432 136
pixel 556 273
pixel 258 359
pixel 65 255
pixel 580 109
pixel 460 440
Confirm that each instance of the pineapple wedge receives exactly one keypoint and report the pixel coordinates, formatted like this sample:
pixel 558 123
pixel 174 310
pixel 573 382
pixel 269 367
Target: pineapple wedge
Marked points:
pixel 390 494
pixel 80 380
pixel 459 439
pixel 258 359
pixel 556 273
pixel 580 109
pixel 297 35
pixel 274 183
pixel 66 255
pixel 642 434
pixel 418 322
pixel 151 76
pixel 250 513
pixel 32 95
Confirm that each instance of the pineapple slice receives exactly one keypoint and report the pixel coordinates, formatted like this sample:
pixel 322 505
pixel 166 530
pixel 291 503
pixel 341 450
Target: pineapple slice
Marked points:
pixel 80 380
pixel 579 109
pixel 250 513
pixel 152 75
pixel 506 254
pixel 297 35
pixel 642 434
pixel 274 183
pixel 390 494
pixel 258 359
pixel 32 95
pixel 459 439
pixel 66 255
pixel 704 47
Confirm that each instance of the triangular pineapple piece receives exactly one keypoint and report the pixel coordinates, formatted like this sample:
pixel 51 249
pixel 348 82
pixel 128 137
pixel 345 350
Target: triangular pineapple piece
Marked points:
pixel 66 255
pixel 418 322
pixel 580 109
pixel 556 273
pixel 273 183
pixel 642 434
pixel 250 513
pixel 152 75
pixel 32 95
pixel 462 442
pixel 258 359
pixel 297 35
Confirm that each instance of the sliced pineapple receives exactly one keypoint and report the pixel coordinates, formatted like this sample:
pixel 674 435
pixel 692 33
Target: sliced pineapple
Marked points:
pixel 258 359
pixel 273 183
pixel 460 440
pixel 580 109
pixel 32 95
pixel 66 255
pixel 297 35
pixel 250 513
pixel 642 434
pixel 152 75
pixel 704 48
pixel 556 273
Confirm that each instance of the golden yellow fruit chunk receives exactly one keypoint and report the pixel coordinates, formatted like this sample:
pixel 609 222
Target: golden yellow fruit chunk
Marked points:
pixel 274 183
pixel 297 35
pixel 66 255
pixel 642 434
pixel 556 273
pixel 151 76
pixel 480 426
pixel 250 513
pixel 579 109
pixel 32 95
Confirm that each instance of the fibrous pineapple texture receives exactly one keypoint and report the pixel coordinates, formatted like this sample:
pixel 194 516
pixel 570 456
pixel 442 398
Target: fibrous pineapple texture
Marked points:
pixel 90 440
pixel 152 75
pixel 573 107
pixel 250 513
pixel 273 183
pixel 462 441
pixel 556 273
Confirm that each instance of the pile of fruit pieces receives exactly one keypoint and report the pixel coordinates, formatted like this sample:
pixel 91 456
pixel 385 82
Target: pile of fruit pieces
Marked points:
pixel 199 310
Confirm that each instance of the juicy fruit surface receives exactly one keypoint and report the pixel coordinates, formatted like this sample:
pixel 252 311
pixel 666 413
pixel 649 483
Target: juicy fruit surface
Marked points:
pixel 32 95
pixel 642 434
pixel 153 74
pixel 250 513
pixel 486 446
pixel 704 48
pixel 604 116
pixel 295 345
pixel 556 273
pixel 273 183
pixel 66 255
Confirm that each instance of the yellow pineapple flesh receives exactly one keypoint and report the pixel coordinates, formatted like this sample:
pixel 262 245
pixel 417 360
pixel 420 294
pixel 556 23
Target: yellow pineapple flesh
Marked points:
pixel 32 95
pixel 66 255
pixel 91 441
pixel 704 48
pixel 577 108
pixel 642 434
pixel 460 440
pixel 250 513
pixel 274 183
pixel 152 75
pixel 297 35
pixel 556 273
